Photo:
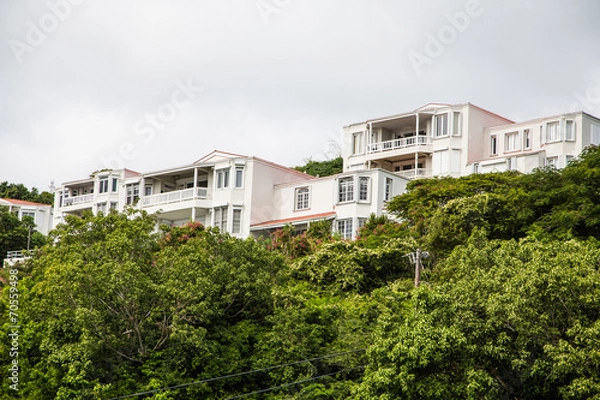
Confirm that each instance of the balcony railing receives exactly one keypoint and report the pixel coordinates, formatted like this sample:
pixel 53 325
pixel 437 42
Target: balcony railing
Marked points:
pixel 176 196
pixel 13 257
pixel 72 201
pixel 415 173
pixel 402 143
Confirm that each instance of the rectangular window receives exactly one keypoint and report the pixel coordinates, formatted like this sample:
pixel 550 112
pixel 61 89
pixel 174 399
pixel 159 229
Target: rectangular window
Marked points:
pixel 114 184
pixel 456 131
pixel 552 162
pixel 569 130
pixel 357 143
pixel 237 221
pixel 552 132
pixel 494 145
pixel 441 125
pixel 511 141
pixel 346 189
pixel 526 139
pixel 133 193
pixel 101 208
pixel 361 222
pixel 103 185
pixel 28 214
pixel 239 177
pixel 113 205
pixel 344 228
pixel 148 190
pixel 223 178
pixel 363 188
pixel 568 159
pixel 595 134
pixel 388 189
pixel 302 198
pixel 221 218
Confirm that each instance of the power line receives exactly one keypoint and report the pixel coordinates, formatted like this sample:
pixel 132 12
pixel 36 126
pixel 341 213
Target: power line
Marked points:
pixel 236 375
pixel 294 383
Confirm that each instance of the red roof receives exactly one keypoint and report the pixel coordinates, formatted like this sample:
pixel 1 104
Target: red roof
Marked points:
pixel 24 202
pixel 295 219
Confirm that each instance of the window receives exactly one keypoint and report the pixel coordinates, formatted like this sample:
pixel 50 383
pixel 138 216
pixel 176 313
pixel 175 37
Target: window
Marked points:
pixel 357 143
pixel 113 205
pixel 237 221
pixel 114 184
pixel 363 188
pixel 511 141
pixel 526 139
pixel 475 168
pixel 388 189
pixel 221 218
pixel 552 132
pixel 223 178
pixel 239 177
pixel 103 185
pixel 346 189
pixel 302 198
pixel 148 189
pixel 494 145
pixel 344 228
pixel 440 125
pixel 28 214
pixel 552 162
pixel 361 222
pixel 568 159
pixel 595 134
pixel 456 131
pixel 569 130
pixel 133 193
pixel 101 207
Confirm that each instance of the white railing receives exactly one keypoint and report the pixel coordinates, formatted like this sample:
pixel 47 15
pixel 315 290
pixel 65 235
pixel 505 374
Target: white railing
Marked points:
pixel 13 257
pixel 176 196
pixel 402 143
pixel 415 173
pixel 71 201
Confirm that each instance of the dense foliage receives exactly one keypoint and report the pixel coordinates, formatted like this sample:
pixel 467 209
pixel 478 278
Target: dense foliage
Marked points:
pixel 507 310
pixel 322 168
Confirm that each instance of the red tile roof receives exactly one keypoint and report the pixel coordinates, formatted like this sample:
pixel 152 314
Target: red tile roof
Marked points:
pixel 24 202
pixel 284 221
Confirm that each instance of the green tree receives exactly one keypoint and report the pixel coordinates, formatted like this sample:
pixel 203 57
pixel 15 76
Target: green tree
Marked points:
pixel 20 192
pixel 322 168
pixel 501 320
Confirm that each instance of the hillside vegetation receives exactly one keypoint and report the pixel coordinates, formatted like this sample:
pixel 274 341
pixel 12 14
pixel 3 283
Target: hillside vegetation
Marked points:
pixel 508 307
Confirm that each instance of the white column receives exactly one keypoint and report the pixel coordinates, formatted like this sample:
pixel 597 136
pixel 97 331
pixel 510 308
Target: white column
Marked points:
pixel 416 164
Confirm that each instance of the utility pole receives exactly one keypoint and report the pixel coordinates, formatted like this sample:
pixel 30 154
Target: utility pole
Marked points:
pixel 415 258
pixel 417 268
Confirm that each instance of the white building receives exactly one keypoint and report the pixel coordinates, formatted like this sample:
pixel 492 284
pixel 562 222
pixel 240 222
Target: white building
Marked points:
pixel 238 194
pixel 250 196
pixel 457 140
pixel 41 213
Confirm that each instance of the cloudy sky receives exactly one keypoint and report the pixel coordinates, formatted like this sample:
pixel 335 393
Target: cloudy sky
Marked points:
pixel 150 84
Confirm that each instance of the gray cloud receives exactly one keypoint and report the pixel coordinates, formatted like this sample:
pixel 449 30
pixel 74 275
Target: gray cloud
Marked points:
pixel 279 90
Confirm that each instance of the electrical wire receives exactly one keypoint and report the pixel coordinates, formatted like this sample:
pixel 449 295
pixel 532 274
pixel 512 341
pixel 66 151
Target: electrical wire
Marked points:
pixel 235 375
pixel 294 383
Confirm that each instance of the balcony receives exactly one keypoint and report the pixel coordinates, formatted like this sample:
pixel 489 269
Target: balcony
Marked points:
pixel 72 201
pixel 14 257
pixel 395 144
pixel 415 173
pixel 176 196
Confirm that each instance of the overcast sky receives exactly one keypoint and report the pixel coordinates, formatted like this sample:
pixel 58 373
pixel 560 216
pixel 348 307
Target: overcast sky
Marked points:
pixel 151 84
